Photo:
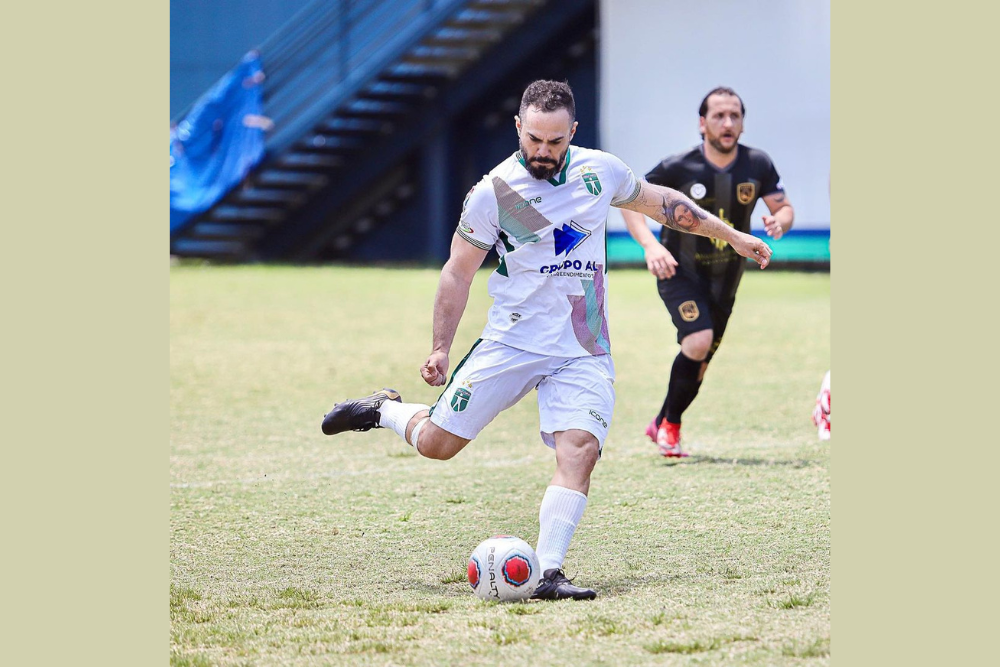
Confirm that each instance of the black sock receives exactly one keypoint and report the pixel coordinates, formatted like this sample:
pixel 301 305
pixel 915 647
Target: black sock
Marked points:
pixel 683 387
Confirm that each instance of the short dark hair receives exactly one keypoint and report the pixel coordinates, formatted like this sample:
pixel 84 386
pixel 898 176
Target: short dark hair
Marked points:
pixel 721 90
pixel 548 96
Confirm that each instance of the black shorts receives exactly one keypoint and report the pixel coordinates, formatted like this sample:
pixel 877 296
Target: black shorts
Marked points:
pixel 693 309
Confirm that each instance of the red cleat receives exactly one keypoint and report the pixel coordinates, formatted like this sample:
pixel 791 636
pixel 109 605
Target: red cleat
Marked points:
pixel 651 430
pixel 668 439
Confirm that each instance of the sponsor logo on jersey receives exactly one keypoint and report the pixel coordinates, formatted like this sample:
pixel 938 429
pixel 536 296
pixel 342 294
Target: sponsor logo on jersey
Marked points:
pixel 688 311
pixel 745 192
pixel 571 265
pixel 514 317
pixel 591 180
pixel 698 191
pixel 569 237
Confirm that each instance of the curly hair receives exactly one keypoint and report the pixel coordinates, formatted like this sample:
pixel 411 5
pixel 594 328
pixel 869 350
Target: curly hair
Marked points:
pixel 548 96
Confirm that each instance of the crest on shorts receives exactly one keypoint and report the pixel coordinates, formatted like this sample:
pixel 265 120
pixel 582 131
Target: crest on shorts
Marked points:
pixel 745 192
pixel 591 180
pixel 460 400
pixel 688 311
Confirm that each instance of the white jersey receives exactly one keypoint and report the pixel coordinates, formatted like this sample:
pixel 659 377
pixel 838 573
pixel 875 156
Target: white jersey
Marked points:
pixel 550 290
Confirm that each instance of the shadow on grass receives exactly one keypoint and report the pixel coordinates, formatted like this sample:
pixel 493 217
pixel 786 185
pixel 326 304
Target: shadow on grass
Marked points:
pixel 737 461
pixel 619 586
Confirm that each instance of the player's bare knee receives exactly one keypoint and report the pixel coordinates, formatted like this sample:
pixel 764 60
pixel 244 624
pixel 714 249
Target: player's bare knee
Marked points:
pixel 580 451
pixel 436 443
pixel 697 345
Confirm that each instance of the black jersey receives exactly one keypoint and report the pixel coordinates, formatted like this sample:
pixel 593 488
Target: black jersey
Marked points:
pixel 729 193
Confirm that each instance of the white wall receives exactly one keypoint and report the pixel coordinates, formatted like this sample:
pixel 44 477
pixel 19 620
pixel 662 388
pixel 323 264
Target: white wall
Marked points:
pixel 660 57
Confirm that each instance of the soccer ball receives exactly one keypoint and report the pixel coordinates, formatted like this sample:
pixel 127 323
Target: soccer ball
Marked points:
pixel 504 568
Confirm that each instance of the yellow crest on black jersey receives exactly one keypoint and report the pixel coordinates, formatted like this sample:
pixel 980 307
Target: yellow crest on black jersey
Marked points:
pixel 745 192
pixel 688 311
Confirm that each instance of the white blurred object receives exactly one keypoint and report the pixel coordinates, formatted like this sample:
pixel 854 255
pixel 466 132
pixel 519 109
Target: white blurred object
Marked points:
pixel 821 413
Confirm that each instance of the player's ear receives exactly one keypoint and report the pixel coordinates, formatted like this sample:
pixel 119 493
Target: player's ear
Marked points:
pixel 572 129
pixel 517 124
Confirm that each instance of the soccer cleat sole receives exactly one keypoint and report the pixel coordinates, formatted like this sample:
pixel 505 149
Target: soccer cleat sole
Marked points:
pixel 672 453
pixel 585 595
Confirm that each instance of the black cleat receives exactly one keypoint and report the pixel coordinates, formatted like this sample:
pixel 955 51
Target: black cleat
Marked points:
pixel 555 586
pixel 358 415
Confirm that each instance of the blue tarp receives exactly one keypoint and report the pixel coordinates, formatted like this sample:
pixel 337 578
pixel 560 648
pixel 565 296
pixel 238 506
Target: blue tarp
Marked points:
pixel 217 142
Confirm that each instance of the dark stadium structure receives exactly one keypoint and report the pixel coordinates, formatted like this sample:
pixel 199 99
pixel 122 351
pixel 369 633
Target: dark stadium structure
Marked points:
pixel 385 113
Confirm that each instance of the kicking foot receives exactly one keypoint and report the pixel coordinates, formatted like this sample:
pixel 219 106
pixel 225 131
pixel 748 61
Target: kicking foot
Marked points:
pixel 555 586
pixel 358 415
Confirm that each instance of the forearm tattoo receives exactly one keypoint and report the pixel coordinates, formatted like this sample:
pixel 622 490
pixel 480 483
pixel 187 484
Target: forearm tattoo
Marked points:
pixel 672 209
pixel 681 215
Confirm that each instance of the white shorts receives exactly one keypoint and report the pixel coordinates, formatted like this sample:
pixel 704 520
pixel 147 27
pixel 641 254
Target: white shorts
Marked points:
pixel 573 392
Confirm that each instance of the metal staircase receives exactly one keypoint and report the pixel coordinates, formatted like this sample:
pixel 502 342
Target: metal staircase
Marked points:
pixel 353 88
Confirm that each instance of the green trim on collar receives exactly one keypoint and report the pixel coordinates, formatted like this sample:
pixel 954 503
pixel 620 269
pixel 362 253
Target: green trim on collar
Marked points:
pixel 562 174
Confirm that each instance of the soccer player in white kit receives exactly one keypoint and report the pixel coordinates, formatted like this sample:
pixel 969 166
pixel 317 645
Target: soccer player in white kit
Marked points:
pixel 545 210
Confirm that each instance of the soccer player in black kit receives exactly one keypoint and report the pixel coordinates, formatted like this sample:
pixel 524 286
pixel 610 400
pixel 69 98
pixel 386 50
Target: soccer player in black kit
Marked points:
pixel 697 278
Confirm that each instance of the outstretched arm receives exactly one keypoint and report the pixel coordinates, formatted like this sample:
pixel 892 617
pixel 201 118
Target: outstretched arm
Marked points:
pixel 449 305
pixel 676 211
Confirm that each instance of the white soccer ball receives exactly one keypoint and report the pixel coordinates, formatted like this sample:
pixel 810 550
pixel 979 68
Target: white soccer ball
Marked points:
pixel 504 568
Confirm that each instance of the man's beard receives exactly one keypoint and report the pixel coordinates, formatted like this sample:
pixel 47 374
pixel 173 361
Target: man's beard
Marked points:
pixel 544 169
pixel 716 143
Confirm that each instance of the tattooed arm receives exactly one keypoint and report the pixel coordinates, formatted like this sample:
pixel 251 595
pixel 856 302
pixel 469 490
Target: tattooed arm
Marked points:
pixel 672 209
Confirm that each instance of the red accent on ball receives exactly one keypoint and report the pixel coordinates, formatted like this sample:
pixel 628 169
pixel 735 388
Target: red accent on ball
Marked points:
pixel 473 573
pixel 516 570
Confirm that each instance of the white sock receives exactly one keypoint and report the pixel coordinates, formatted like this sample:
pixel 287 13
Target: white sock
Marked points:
pixel 397 415
pixel 557 519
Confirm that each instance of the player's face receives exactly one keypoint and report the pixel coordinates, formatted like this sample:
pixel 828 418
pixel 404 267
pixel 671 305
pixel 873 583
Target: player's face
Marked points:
pixel 544 139
pixel 722 124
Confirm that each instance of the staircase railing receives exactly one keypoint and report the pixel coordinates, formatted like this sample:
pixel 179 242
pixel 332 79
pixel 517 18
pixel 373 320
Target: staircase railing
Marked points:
pixel 327 51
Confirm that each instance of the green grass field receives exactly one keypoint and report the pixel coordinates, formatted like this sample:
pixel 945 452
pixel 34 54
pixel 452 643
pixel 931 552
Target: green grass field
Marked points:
pixel 291 548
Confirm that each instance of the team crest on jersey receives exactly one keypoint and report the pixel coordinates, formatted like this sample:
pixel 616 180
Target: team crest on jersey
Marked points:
pixel 698 191
pixel 460 400
pixel 745 192
pixel 591 180
pixel 569 237
pixel 688 311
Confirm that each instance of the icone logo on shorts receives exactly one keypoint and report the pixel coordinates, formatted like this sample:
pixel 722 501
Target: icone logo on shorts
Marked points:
pixel 460 400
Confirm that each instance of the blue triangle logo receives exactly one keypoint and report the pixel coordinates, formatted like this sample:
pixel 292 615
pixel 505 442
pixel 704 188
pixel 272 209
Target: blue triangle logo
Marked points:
pixel 569 238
